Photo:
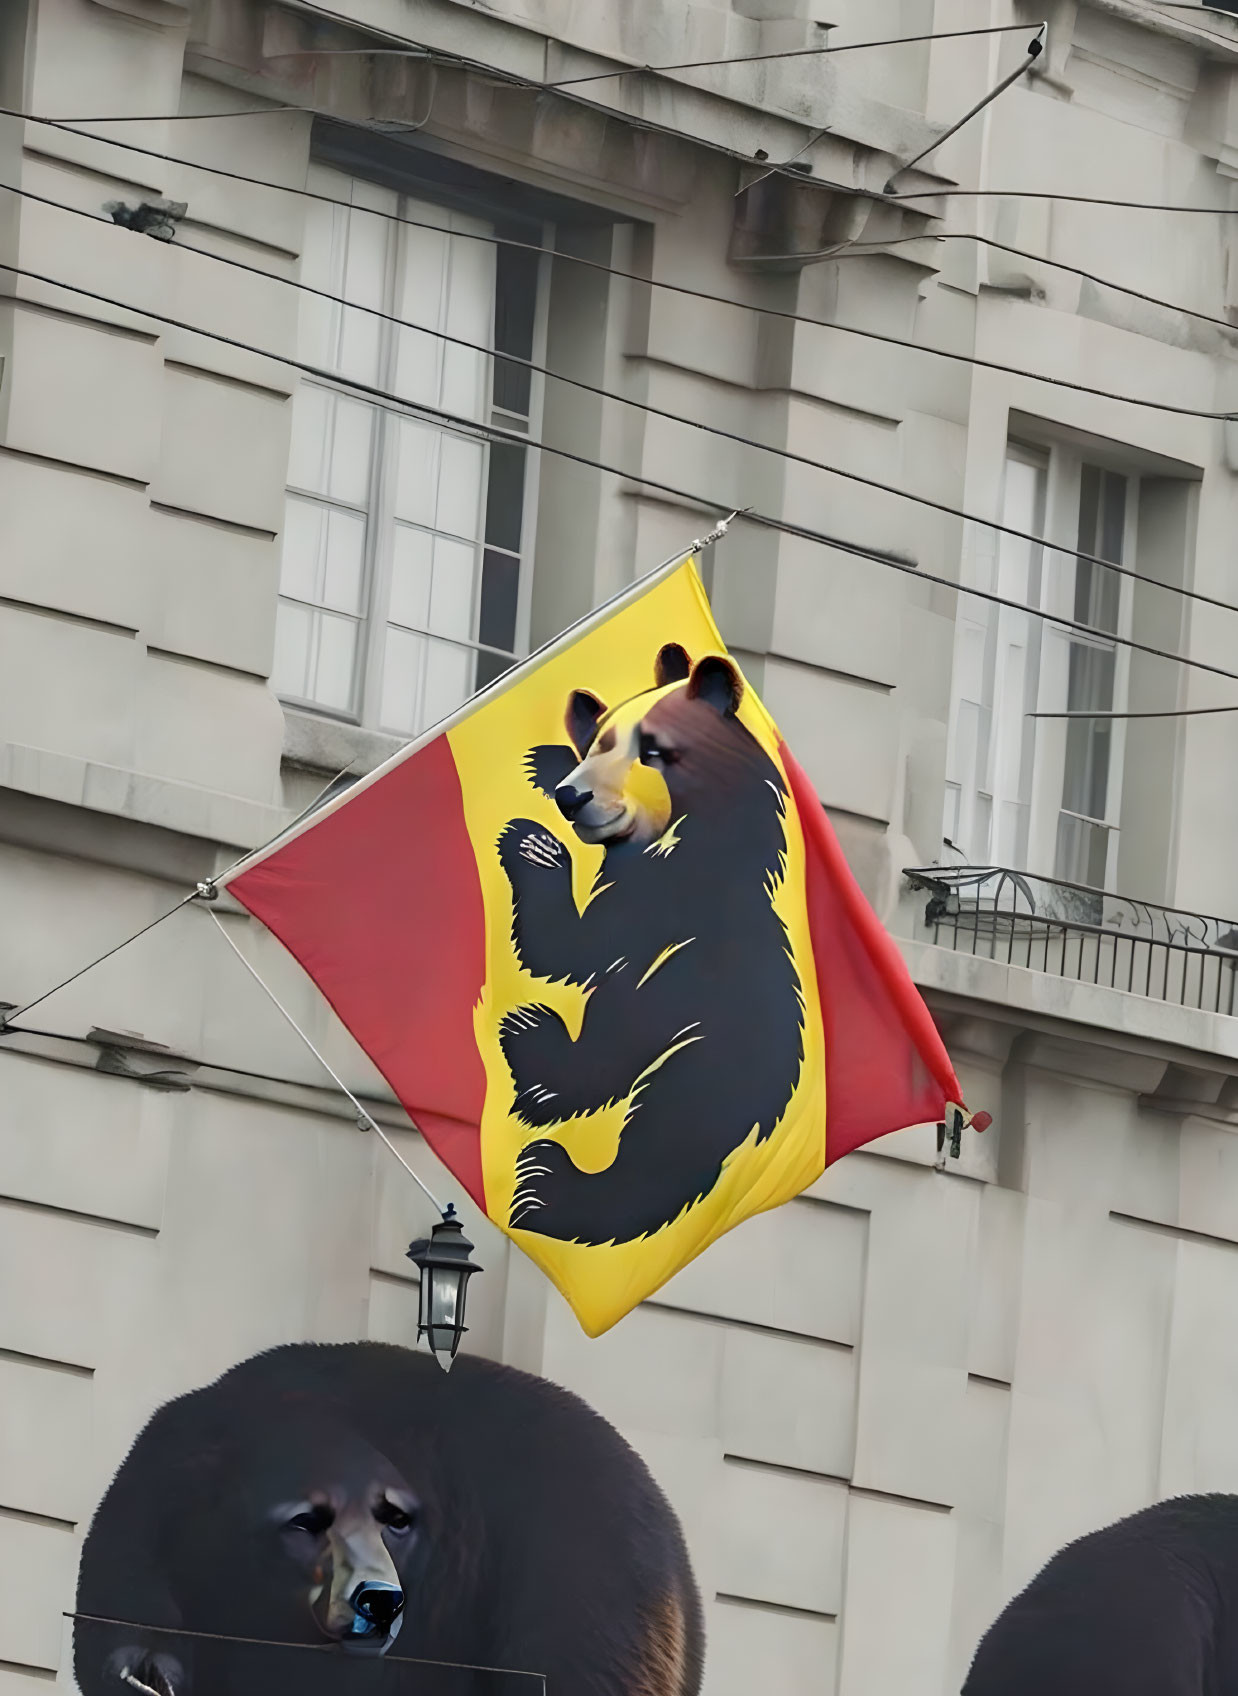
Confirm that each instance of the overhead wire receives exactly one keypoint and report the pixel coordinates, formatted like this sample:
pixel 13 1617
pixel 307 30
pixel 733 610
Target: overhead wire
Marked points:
pixel 658 70
pixel 975 360
pixel 1160 712
pixel 900 195
pixel 405 406
pixel 786 53
pixel 445 57
pixel 876 246
pixel 647 407
pixel 403 47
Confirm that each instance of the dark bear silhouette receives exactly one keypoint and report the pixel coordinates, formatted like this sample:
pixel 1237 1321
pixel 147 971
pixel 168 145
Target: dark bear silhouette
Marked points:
pixel 1146 1607
pixel 695 1011
pixel 513 1524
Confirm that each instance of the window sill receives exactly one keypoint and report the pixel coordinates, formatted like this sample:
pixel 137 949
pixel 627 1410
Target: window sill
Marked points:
pixel 325 745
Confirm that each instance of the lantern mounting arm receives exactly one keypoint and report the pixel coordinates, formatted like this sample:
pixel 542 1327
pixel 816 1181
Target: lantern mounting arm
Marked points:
pixel 365 1121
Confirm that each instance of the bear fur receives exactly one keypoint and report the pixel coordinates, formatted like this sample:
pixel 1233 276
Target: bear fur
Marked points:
pixel 1145 1607
pixel 695 1010
pixel 538 1540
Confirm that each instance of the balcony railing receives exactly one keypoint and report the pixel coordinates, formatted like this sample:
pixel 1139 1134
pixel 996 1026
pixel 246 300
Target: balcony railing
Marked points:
pixel 1083 934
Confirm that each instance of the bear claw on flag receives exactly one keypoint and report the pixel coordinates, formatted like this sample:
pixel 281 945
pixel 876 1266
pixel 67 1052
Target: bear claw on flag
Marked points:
pixel 597 934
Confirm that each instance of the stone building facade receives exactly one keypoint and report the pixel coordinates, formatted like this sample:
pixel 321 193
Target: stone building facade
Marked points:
pixel 224 580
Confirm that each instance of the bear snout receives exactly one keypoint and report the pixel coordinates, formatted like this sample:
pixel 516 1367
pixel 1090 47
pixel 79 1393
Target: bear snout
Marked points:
pixel 376 1621
pixel 571 800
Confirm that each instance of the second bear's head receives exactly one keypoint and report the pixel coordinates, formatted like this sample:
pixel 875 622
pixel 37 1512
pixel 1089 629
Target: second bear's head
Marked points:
pixel 673 751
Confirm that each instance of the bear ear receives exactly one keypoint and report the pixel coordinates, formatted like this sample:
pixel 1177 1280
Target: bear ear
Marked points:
pixel 716 682
pixel 583 712
pixel 672 665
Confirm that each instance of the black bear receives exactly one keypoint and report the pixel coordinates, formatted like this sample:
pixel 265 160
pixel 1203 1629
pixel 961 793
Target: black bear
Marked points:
pixel 338 1495
pixel 695 1010
pixel 1145 1607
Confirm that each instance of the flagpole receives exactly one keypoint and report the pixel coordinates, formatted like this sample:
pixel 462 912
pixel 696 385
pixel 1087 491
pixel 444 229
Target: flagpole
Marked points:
pixel 630 592
pixel 208 889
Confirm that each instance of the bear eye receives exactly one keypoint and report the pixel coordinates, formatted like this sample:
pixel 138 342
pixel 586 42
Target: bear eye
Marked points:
pixel 393 1517
pixel 651 754
pixel 314 1521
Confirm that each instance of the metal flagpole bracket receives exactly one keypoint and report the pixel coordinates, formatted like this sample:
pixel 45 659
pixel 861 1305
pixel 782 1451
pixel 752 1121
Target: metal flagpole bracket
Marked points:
pixel 950 1132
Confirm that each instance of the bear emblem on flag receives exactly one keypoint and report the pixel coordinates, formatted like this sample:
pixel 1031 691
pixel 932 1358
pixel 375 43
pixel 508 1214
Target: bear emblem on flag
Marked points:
pixel 611 974
pixel 677 940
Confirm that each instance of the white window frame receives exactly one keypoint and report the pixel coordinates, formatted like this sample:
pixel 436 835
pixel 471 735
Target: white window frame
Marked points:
pixel 378 512
pixel 1036 790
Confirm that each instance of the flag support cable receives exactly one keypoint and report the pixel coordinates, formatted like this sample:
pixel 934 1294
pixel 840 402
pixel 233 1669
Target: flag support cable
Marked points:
pixel 204 891
pixel 365 1121
pixel 7 1017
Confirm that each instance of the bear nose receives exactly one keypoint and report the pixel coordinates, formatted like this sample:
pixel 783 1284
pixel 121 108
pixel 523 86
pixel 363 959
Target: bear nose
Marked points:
pixel 570 800
pixel 378 1604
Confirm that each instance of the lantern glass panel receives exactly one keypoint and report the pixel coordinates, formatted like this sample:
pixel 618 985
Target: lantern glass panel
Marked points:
pixel 444 1296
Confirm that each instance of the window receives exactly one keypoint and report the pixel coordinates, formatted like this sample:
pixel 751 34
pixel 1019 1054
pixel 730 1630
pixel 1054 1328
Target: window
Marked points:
pixel 1043 795
pixel 403 578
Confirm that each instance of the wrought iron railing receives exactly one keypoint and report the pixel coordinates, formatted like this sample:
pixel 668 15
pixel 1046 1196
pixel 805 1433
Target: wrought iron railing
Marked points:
pixel 1087 935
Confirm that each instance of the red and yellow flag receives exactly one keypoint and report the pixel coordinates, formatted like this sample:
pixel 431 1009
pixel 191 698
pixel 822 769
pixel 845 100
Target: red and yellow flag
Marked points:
pixel 597 934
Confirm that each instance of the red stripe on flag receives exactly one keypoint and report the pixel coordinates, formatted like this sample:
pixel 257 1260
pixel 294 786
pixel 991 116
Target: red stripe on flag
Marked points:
pixel 380 902
pixel 885 1064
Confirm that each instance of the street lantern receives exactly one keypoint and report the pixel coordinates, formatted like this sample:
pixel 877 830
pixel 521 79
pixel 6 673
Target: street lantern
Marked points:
pixel 445 1268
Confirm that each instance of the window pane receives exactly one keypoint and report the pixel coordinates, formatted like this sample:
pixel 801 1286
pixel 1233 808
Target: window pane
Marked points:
pixel 500 588
pixel 323 555
pixel 420 356
pixel 515 309
pixel 315 656
pixel 449 681
pixel 1082 851
pixel 1085 782
pixel 330 449
pixel 336 658
pixel 344 252
pixel 301 554
pixel 344 566
pixel 359 351
pixel 412 566
pixel 461 471
pixel 423 681
pixel 439 480
pixel 402 677
pixel 469 314
pixel 451 593
pixel 447 284
pixel 416 481
pixel 505 497
pixel 1102 524
pixel 490 666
